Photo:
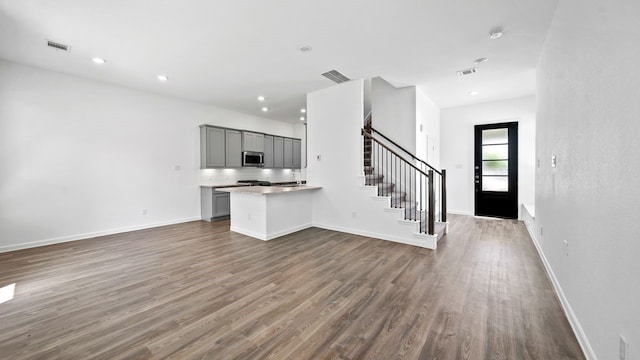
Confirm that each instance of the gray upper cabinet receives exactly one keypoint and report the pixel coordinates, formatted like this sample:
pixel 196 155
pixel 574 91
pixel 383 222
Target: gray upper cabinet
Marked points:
pixel 212 147
pixel 297 153
pixel 268 151
pixel 233 148
pixel 221 148
pixel 288 153
pixel 278 152
pixel 252 141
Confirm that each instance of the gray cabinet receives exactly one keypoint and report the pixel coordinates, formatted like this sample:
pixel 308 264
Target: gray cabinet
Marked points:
pixel 221 148
pixel 278 152
pixel 212 147
pixel 233 148
pixel 252 141
pixel 297 153
pixel 268 151
pixel 214 205
pixel 288 153
pixel 221 204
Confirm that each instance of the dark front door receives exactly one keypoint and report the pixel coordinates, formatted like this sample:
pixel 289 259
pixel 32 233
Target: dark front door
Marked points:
pixel 496 170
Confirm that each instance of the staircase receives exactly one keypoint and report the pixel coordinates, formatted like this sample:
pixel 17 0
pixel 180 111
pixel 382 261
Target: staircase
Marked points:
pixel 405 185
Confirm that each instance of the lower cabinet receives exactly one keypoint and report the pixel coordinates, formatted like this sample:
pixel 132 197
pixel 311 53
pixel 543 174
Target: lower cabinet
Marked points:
pixel 221 204
pixel 214 205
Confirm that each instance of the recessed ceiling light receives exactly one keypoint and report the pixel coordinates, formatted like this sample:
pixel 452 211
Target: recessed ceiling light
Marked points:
pixel 265 109
pixel 305 48
pixel 495 33
pixel 260 98
pixel 163 77
pixel 301 118
pixel 303 110
pixel 480 61
pixel 473 93
pixel 98 60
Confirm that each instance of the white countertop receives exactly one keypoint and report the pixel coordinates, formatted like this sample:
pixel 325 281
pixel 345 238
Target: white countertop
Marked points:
pixel 267 190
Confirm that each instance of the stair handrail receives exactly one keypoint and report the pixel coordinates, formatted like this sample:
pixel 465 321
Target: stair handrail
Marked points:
pixel 366 134
pixel 373 130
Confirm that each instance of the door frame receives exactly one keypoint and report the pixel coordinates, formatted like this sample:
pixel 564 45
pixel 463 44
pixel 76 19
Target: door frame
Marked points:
pixel 513 165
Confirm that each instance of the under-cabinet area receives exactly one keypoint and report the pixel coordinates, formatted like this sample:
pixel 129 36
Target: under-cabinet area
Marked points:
pixel 225 148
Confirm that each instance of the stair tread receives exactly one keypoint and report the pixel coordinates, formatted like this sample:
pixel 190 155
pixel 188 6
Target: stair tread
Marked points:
pixel 406 205
pixel 397 194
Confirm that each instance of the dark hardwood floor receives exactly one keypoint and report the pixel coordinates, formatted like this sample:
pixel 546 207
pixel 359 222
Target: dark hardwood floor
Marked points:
pixel 198 291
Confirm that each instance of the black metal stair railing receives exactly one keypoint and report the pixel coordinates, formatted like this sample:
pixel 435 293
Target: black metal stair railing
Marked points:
pixel 411 183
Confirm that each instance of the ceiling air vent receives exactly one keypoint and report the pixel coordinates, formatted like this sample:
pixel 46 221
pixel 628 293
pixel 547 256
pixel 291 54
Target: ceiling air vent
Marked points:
pixel 335 76
pixel 467 71
pixel 58 46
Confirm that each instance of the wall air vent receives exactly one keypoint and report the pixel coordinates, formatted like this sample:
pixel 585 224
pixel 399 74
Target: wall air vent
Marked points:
pixel 335 76
pixel 467 71
pixel 58 46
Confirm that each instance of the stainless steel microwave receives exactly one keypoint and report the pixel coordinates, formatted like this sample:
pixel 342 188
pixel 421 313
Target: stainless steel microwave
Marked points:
pixel 252 158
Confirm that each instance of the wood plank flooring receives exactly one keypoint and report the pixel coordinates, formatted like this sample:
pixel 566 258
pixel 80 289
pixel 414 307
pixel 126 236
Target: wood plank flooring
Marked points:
pixel 198 291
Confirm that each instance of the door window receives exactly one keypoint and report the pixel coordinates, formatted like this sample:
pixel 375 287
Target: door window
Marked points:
pixel 495 160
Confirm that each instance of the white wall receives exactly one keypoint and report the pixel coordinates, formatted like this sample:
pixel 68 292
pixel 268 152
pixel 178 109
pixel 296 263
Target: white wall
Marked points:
pixel 457 148
pixel 367 96
pixel 394 112
pixel 427 138
pixel 335 117
pixel 80 158
pixel 588 110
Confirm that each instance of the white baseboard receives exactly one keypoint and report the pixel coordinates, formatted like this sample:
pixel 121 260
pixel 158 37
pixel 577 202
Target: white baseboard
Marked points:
pixel 459 212
pixel 84 236
pixel 414 242
pixel 269 236
pixel 573 320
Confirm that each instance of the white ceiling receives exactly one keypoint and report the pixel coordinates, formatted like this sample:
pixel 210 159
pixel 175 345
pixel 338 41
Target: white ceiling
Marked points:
pixel 227 52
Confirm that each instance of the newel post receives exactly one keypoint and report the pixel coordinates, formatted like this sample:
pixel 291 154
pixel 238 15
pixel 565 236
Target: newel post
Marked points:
pixel 432 206
pixel 443 197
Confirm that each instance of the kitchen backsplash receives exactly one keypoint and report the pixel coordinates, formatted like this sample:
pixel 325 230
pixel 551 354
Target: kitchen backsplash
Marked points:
pixel 231 176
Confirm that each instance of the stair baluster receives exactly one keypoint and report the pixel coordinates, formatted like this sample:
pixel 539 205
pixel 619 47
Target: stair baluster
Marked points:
pixel 385 167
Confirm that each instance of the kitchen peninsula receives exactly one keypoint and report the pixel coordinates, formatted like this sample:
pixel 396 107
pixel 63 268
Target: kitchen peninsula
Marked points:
pixel 268 212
